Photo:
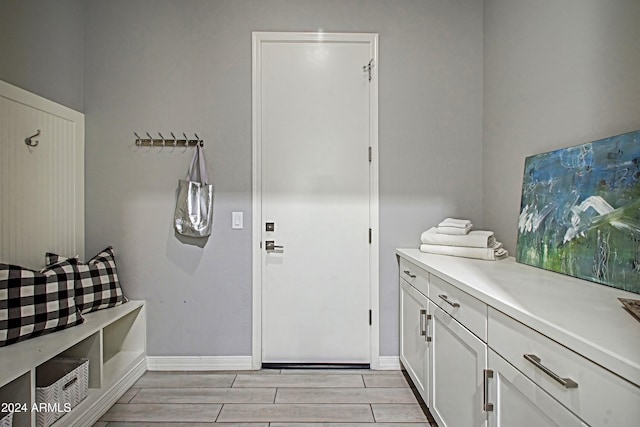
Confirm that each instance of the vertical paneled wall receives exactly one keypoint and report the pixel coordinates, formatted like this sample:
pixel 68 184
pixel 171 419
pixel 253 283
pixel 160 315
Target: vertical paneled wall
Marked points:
pixel 41 187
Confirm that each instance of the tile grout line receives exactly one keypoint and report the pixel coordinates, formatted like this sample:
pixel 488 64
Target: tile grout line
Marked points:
pixel 219 412
pixel 134 396
pixel 235 377
pixel 373 415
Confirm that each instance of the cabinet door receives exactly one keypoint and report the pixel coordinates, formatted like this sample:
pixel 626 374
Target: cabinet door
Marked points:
pixel 458 361
pixel 413 336
pixel 517 401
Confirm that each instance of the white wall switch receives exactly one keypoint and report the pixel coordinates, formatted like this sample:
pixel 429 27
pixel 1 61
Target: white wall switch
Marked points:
pixel 237 221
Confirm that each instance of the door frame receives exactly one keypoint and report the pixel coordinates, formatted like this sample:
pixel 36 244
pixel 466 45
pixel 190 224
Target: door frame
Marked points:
pixel 258 38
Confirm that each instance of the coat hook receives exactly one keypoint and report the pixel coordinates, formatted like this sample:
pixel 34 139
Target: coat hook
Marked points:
pixel 174 144
pixel 199 141
pixel 29 141
pixel 164 141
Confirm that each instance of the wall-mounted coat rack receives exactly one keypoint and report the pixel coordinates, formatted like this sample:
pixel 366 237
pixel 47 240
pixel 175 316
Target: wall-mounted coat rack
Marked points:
pixel 168 142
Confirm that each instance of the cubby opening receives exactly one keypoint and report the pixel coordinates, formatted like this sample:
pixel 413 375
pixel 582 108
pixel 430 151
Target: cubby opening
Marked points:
pixel 123 344
pixel 17 395
pixel 88 348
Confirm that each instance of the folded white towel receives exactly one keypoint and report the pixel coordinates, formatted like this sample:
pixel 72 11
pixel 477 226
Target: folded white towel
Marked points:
pixel 488 254
pixel 455 231
pixel 501 253
pixel 453 222
pixel 475 239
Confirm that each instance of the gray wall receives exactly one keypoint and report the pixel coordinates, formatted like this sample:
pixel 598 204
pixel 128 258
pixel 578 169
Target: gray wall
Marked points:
pixel 556 74
pixel 186 66
pixel 41 48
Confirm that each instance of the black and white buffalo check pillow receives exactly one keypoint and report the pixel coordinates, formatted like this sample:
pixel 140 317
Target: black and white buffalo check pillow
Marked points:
pixel 97 284
pixel 34 303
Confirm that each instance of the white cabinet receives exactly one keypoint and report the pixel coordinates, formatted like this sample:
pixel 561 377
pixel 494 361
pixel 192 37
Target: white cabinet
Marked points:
pixel 469 311
pixel 511 345
pixel 458 359
pixel 414 337
pixel 415 276
pixel 443 358
pixel 518 401
pixel 599 397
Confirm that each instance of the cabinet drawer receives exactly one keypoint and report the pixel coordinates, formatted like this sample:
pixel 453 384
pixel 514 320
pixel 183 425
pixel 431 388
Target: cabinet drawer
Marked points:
pixel 415 276
pixel 469 311
pixel 598 396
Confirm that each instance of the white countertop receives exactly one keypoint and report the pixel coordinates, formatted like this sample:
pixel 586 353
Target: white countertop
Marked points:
pixel 583 316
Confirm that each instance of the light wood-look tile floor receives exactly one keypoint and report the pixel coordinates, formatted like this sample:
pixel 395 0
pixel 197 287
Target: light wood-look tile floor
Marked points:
pixel 269 398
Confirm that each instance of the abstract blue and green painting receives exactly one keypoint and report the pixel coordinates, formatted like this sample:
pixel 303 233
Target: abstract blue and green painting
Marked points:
pixel 580 212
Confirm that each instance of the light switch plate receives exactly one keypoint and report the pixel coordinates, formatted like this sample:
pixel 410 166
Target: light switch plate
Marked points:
pixel 237 220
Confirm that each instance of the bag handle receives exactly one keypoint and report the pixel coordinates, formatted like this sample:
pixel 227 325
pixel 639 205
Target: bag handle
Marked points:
pixel 191 170
pixel 203 167
pixel 198 167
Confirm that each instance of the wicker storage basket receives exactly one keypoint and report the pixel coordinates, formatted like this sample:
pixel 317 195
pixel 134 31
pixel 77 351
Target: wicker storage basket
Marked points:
pixel 6 419
pixel 61 383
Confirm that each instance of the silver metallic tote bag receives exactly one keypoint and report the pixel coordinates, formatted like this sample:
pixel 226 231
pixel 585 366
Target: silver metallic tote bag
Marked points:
pixel 194 207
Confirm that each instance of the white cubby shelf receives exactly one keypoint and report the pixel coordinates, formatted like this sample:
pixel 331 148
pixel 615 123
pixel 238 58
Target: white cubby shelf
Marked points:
pixel 114 341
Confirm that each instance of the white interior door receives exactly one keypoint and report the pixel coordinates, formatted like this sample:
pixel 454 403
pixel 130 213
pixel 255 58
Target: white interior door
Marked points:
pixel 314 124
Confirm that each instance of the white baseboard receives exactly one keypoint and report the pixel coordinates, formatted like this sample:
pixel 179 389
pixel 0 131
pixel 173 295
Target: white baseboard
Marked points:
pixel 229 363
pixel 198 363
pixel 389 363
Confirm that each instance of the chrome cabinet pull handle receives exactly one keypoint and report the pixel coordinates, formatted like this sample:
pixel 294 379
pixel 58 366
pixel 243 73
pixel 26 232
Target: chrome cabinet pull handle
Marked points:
pixel 565 382
pixel 408 273
pixel 446 299
pixel 486 406
pixel 423 323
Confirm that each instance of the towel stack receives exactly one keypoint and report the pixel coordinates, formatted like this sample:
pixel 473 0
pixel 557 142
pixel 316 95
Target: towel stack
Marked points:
pixel 455 237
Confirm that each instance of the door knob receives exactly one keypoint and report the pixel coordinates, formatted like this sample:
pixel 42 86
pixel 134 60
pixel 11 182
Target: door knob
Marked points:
pixel 270 245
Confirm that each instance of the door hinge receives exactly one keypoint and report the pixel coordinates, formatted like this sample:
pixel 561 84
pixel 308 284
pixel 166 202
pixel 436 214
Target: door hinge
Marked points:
pixel 367 68
pixel 370 154
pixel 370 235
pixel 369 317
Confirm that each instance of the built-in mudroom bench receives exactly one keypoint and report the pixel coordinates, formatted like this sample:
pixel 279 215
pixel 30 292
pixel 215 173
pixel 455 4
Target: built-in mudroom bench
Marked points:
pixel 112 339
pixel 498 343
